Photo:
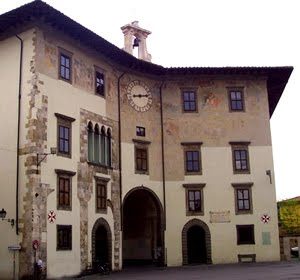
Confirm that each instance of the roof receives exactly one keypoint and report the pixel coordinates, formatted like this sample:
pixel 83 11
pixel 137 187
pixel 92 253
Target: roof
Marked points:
pixel 297 198
pixel 40 12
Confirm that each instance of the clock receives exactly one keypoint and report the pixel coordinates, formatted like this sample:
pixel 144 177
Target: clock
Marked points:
pixel 139 96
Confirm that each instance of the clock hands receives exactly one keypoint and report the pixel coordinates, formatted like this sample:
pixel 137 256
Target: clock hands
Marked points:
pixel 140 95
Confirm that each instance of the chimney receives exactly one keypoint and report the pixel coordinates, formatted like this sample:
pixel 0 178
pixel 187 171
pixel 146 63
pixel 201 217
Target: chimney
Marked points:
pixel 135 36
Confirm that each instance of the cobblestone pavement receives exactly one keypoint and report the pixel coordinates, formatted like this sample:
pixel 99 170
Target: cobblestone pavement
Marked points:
pixel 253 271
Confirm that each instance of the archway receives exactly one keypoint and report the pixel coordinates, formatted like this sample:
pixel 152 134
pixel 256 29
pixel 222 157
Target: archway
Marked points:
pixel 196 243
pixel 101 242
pixel 142 228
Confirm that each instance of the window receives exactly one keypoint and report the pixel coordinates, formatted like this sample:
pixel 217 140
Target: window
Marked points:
pixel 99 145
pixel 192 157
pixel 108 147
pixel 64 139
pixel 64 132
pixel 140 131
pixel 141 156
pixel 101 194
pixel 64 189
pixel 194 199
pixel 245 234
pixel 236 99
pixel 192 161
pixel 189 101
pixel 243 198
pixel 101 197
pixel 64 192
pixel 100 86
pixel 65 65
pixel 240 157
pixel 64 237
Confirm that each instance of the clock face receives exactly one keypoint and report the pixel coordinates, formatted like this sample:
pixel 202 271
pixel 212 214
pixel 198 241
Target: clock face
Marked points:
pixel 139 96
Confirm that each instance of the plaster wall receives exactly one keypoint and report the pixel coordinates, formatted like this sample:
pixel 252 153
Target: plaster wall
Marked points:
pixel 215 126
pixel 219 196
pixel 77 100
pixel 131 179
pixel 8 144
pixel 9 71
pixel 213 123
pixel 84 63
pixel 63 263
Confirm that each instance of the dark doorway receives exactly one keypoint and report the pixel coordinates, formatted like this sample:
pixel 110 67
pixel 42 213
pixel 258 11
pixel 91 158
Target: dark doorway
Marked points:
pixel 196 245
pixel 101 245
pixel 101 242
pixel 142 229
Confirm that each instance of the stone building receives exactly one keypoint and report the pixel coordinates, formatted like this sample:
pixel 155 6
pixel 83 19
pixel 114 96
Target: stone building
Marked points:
pixel 108 157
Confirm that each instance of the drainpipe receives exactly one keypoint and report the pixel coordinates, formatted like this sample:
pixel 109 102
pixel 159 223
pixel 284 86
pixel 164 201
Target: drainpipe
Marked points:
pixel 120 151
pixel 18 134
pixel 163 162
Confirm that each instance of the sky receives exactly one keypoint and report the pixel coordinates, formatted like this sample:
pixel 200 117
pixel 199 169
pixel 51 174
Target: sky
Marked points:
pixel 212 33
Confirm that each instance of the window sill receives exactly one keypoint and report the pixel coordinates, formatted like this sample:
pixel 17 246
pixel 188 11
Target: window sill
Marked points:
pixel 100 95
pixel 195 213
pixel 236 111
pixel 141 172
pixel 101 211
pixel 64 155
pixel 187 112
pixel 99 164
pixel 63 249
pixel 241 171
pixel 244 212
pixel 64 208
pixel 69 81
pixel 193 173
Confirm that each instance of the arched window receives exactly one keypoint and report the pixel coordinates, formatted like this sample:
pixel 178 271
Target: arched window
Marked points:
pixel 90 142
pixel 103 145
pixel 96 144
pixel 99 144
pixel 108 147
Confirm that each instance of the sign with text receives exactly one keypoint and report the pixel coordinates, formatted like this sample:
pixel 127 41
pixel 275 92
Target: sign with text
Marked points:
pixel 219 216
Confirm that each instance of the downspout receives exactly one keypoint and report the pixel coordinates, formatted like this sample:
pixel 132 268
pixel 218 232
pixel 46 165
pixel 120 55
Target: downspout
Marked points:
pixel 120 151
pixel 18 135
pixel 163 162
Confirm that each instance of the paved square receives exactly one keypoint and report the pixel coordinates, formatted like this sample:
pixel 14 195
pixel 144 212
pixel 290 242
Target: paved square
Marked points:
pixel 251 271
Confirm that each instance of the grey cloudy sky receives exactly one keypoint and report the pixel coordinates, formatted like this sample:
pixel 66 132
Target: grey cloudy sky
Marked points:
pixel 212 33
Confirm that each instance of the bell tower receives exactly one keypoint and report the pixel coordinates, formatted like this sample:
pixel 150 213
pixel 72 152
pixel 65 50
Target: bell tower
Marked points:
pixel 135 36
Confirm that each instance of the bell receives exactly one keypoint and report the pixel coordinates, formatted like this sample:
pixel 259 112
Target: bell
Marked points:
pixel 136 42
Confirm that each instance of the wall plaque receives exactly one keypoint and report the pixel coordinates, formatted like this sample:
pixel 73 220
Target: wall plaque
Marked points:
pixel 220 216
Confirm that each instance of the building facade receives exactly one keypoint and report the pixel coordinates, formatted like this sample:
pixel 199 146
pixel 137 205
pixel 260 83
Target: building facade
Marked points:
pixel 110 158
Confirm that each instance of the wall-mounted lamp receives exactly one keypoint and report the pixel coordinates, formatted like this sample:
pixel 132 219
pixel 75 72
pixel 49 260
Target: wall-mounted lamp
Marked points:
pixel 3 215
pixel 41 157
pixel 268 172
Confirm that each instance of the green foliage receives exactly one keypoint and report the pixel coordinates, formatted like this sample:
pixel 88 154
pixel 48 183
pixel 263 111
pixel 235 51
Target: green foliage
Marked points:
pixel 289 217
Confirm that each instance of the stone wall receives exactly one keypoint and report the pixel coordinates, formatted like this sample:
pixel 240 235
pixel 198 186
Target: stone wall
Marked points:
pixel 86 173
pixel 34 211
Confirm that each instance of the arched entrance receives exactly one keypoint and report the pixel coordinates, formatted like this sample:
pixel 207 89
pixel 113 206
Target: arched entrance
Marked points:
pixel 196 243
pixel 142 228
pixel 101 242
